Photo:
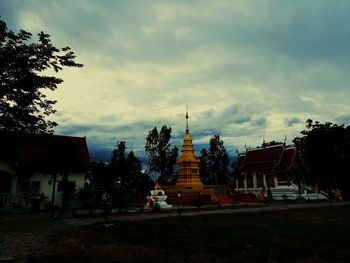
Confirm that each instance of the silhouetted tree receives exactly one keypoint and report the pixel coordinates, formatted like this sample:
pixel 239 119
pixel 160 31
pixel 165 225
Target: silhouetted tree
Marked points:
pixel 204 171
pixel 126 167
pixel 162 157
pixel 99 178
pixel 326 152
pixel 126 171
pixel 119 165
pixel 216 161
pixel 23 105
pixel 137 178
pixel 101 175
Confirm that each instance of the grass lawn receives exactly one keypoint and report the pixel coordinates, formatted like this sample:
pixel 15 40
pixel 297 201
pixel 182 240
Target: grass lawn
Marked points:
pixel 313 235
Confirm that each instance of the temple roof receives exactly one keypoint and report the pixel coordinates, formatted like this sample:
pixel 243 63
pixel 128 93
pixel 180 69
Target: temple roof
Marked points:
pixel 45 152
pixel 239 161
pixel 272 157
pixel 288 158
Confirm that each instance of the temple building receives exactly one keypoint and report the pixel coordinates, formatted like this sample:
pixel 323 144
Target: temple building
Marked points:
pixel 274 168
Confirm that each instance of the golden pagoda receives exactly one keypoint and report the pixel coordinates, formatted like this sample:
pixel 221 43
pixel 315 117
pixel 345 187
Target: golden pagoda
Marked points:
pixel 189 185
pixel 188 163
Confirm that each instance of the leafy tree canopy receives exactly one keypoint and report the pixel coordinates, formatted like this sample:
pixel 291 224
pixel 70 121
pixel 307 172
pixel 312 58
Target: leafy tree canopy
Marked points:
pixel 326 151
pixel 214 162
pixel 101 174
pixel 126 167
pixel 23 63
pixel 162 157
pixel 204 169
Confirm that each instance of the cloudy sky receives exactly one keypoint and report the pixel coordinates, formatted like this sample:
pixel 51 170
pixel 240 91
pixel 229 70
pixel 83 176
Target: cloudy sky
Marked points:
pixel 247 70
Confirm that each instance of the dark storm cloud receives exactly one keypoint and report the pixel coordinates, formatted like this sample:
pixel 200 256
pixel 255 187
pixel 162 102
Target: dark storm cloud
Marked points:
pixel 205 133
pixel 234 115
pixel 125 129
pixel 307 30
pixel 246 68
pixel 259 122
pixel 291 121
pixel 344 119
pixel 8 13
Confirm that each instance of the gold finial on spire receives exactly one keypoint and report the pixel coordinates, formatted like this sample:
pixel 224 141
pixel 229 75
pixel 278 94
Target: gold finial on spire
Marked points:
pixel 157 187
pixel 187 129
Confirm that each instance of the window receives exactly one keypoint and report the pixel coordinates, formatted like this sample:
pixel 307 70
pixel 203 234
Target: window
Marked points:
pixel 25 186
pixel 31 187
pixel 35 187
pixel 60 186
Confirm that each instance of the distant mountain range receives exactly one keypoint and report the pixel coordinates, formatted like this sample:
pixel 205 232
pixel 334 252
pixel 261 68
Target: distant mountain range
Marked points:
pixel 100 155
pixel 103 155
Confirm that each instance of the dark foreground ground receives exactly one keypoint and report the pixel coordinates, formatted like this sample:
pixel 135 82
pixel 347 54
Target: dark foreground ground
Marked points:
pixel 305 235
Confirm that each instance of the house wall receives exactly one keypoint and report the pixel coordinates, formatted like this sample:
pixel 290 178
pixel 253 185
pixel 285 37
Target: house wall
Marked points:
pixel 46 185
pixel 8 179
pixel 15 191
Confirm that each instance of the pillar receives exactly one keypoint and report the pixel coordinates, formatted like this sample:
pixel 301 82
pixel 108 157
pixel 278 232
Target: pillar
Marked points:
pixel 13 193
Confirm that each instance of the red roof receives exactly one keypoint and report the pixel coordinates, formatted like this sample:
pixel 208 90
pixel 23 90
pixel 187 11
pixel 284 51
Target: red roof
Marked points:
pixel 288 159
pixel 239 161
pixel 45 152
pixel 272 157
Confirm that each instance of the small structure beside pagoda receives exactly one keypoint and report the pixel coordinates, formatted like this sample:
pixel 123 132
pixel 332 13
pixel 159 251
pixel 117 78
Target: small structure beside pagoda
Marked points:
pixel 157 199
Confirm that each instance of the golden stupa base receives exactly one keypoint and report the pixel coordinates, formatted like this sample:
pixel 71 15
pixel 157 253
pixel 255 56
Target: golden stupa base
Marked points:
pixel 185 189
pixel 185 195
pixel 189 183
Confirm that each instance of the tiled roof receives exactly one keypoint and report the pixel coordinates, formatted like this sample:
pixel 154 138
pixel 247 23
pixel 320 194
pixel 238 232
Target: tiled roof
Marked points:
pixel 239 161
pixel 44 152
pixel 272 157
pixel 288 159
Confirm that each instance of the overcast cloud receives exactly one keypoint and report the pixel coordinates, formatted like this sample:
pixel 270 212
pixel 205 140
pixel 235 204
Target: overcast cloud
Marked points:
pixel 248 70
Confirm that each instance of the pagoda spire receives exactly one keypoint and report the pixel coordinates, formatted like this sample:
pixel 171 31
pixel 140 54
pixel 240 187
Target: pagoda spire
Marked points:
pixel 188 163
pixel 187 129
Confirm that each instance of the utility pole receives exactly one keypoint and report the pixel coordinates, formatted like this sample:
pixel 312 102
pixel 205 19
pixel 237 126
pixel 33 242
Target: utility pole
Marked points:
pixel 54 177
